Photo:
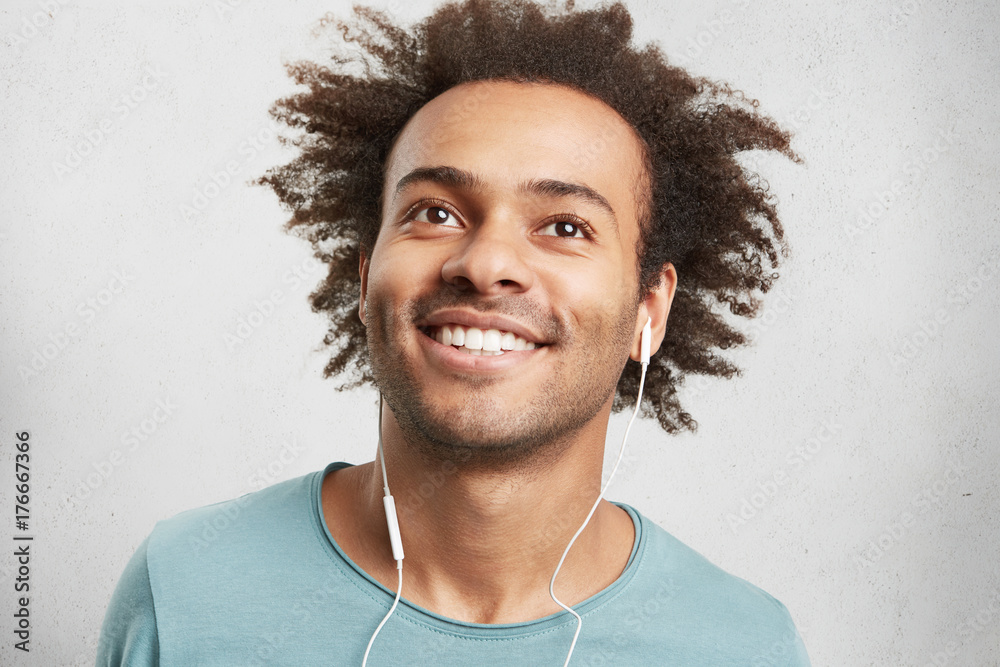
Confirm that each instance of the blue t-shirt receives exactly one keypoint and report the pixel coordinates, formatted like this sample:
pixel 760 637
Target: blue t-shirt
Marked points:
pixel 258 580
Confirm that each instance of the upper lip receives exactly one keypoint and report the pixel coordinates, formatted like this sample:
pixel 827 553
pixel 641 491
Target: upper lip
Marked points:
pixel 479 320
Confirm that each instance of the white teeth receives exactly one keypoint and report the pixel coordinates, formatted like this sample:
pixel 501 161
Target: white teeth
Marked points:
pixel 491 340
pixel 474 339
pixel 480 353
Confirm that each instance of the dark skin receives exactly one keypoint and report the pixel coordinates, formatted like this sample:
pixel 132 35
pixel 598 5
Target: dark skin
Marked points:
pixel 708 215
pixel 483 546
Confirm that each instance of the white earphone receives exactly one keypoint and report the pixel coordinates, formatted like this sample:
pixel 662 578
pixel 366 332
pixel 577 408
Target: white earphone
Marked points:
pixel 393 523
pixel 394 538
pixel 644 360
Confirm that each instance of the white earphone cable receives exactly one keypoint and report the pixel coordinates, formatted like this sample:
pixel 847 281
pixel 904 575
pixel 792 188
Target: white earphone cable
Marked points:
pixel 399 589
pixel 621 451
pixel 397 547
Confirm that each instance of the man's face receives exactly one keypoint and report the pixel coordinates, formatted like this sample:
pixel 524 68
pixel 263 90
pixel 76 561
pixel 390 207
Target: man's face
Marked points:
pixel 510 221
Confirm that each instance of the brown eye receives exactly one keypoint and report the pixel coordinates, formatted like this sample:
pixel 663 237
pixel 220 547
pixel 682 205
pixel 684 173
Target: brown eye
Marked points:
pixel 436 215
pixel 564 229
pixel 567 229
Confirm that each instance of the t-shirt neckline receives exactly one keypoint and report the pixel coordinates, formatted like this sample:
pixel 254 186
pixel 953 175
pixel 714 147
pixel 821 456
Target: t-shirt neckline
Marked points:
pixel 433 620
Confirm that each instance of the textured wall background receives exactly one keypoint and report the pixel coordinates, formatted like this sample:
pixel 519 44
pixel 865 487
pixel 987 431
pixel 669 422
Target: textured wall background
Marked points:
pixel 871 392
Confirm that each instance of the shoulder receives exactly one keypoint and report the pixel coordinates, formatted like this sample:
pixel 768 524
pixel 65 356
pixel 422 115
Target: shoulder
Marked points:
pixel 206 583
pixel 737 618
pixel 210 551
pixel 234 524
pixel 129 633
pixel 693 574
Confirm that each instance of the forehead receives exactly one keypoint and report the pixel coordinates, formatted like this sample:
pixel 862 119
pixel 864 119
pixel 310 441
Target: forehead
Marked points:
pixel 507 133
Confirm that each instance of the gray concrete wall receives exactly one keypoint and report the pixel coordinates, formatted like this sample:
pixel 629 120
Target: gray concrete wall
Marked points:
pixel 870 392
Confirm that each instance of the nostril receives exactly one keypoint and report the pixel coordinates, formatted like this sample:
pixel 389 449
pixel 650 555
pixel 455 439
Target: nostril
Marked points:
pixel 462 283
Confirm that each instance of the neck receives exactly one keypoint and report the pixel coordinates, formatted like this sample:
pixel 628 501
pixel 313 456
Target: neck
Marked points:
pixel 481 545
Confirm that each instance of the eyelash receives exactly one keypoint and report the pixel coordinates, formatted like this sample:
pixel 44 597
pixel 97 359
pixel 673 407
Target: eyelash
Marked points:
pixel 588 231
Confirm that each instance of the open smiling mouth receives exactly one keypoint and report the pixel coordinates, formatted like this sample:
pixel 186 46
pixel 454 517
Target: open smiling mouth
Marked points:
pixel 478 342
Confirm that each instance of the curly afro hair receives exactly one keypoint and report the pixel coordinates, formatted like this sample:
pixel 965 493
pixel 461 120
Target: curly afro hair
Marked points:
pixel 712 218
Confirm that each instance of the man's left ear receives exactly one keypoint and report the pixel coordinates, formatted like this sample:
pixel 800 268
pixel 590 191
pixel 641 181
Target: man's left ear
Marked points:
pixel 655 306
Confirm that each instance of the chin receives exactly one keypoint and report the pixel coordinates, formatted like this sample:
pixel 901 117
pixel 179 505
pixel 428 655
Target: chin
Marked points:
pixel 482 435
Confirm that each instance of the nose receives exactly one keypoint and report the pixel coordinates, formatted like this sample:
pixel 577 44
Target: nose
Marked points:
pixel 491 259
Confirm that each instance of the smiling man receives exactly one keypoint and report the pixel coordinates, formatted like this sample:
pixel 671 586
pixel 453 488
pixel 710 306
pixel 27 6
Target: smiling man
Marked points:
pixel 494 237
pixel 508 201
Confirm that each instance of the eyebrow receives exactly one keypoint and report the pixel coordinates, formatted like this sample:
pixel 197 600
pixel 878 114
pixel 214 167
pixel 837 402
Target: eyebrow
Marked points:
pixel 544 187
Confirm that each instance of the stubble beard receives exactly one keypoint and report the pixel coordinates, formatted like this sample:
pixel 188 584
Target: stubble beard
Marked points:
pixel 483 433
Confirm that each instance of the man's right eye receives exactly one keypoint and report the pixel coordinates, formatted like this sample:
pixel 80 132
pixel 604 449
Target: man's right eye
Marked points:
pixel 436 215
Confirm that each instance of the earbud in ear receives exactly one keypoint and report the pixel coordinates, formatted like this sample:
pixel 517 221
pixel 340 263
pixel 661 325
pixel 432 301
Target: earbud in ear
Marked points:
pixel 647 335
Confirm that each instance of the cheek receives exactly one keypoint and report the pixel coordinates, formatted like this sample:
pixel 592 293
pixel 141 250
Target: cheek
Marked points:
pixel 390 278
pixel 382 298
pixel 585 295
pixel 396 280
pixel 406 264
pixel 608 315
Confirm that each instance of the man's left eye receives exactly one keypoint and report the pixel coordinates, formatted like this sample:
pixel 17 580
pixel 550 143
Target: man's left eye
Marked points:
pixel 563 228
pixel 436 215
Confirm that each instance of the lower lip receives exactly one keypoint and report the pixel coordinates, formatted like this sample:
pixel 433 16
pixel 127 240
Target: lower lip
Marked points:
pixel 451 357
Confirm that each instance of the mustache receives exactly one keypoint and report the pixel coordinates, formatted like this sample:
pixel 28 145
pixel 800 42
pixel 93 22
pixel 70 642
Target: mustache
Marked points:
pixel 515 307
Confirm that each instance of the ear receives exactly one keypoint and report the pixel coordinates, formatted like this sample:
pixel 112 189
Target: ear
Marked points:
pixel 363 270
pixel 655 306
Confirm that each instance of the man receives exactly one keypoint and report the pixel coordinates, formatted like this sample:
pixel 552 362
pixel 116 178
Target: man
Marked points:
pixel 515 214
